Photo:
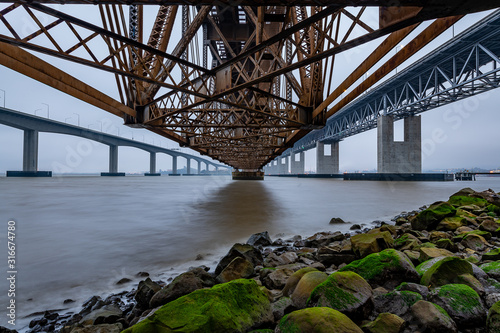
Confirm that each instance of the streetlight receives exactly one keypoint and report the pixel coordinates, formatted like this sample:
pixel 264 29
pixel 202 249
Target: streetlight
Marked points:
pixel 66 119
pixel 48 110
pixel 78 118
pixel 3 97
pixel 37 110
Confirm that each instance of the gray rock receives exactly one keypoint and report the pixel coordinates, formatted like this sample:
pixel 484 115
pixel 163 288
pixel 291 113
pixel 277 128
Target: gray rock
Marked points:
pixel 336 220
pixel 431 318
pixel 103 328
pixel 277 278
pixel 281 307
pixel 396 302
pixel 246 251
pixel 261 238
pixel 239 268
pixel 108 314
pixel 417 288
pixel 145 291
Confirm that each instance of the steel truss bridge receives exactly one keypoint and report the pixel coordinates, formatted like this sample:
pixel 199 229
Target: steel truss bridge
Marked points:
pixel 246 80
pixel 465 66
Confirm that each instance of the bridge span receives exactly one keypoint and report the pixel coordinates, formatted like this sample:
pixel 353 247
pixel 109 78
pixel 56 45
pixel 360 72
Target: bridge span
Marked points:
pixel 32 125
pixel 465 66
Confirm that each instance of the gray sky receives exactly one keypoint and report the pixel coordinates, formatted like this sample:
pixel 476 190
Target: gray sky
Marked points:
pixel 461 135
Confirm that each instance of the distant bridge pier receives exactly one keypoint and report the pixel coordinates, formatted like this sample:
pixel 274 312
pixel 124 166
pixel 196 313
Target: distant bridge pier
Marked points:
pixel 297 167
pixel 113 163
pixel 399 157
pixel 199 167
pixel 174 166
pixel 283 165
pixel 327 164
pixel 152 165
pixel 30 158
pixel 188 166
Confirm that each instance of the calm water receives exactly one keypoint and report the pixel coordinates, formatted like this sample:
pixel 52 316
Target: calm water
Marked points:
pixel 77 236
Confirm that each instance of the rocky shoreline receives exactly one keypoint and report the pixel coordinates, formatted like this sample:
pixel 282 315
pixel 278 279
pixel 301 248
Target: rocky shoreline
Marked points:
pixel 436 269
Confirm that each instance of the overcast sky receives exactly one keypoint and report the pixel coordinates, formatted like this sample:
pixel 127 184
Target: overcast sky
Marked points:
pixel 461 135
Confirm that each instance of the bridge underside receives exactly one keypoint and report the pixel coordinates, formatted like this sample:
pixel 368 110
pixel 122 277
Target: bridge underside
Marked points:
pixel 243 83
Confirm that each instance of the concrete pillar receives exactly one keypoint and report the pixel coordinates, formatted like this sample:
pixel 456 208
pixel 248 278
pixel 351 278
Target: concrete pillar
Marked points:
pixel 188 165
pixel 30 150
pixel 174 165
pixel 152 162
pixel 199 167
pixel 283 165
pixel 399 157
pixel 113 159
pixel 327 165
pixel 297 167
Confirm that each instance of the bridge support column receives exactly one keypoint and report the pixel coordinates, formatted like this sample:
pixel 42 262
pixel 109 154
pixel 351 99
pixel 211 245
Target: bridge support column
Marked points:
pixel 283 165
pixel 188 166
pixel 199 167
pixel 30 158
pixel 399 157
pixel 297 167
pixel 113 163
pixel 327 165
pixel 174 166
pixel 152 165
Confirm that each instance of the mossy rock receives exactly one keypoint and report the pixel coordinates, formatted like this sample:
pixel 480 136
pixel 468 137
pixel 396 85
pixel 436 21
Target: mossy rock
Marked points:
pixel 445 271
pixel 493 320
pixel 346 292
pixel 446 244
pixel 293 280
pixel 266 330
pixel 451 223
pixel 365 244
pixel 426 265
pixel 493 209
pixel 385 323
pixel 305 287
pixel 462 303
pixel 317 320
pixel 467 211
pixel 492 269
pixel 387 266
pixel 429 218
pixel 474 242
pixel 485 234
pixel 406 242
pixel 396 302
pixel 492 255
pixel 462 200
pixel 235 306
pixel 245 251
pixel 431 253
pixel 432 318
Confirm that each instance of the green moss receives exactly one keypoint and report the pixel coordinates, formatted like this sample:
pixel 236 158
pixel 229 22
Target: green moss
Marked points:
pixel 461 298
pixel 230 307
pixel 318 320
pixel 493 266
pixel 401 241
pixel 423 267
pixel 410 297
pixel 484 234
pixel 460 200
pixel 493 209
pixel 492 255
pixel 374 264
pixel 401 286
pixel 429 218
pixel 445 271
pixel 428 244
pixel 443 311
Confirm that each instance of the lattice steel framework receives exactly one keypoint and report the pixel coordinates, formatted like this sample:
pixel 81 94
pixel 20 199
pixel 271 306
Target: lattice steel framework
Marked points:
pixel 269 83
pixel 465 66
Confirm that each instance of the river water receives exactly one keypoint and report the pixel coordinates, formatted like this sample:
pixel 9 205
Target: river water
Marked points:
pixel 77 236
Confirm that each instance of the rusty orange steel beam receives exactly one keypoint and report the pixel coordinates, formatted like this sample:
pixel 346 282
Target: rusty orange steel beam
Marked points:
pixel 25 63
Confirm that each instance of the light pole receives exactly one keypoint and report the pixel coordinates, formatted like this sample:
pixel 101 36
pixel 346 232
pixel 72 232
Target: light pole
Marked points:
pixel 3 96
pixel 78 118
pixel 37 110
pixel 48 110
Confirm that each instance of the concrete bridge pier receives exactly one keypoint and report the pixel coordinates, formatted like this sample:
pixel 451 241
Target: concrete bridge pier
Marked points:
pixel 399 157
pixel 327 164
pixel 199 167
pixel 297 167
pixel 188 165
pixel 152 165
pixel 174 166
pixel 283 165
pixel 30 158
pixel 113 163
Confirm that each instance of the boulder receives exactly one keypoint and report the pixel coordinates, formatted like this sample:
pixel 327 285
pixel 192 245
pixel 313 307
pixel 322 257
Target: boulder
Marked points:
pixel 365 244
pixel 334 255
pixel 492 255
pixel 182 285
pixel 336 220
pixel 238 268
pixel 451 223
pixel 318 320
pixel 463 200
pixel 145 292
pixel 236 306
pixel 415 287
pixel 396 302
pixel 385 323
pixel 428 219
pixel 437 235
pixel 103 328
pixel 489 225
pixel 305 286
pixel 293 280
pixel 432 318
pixel 474 242
pixel 493 319
pixel 424 266
pixel 462 303
pixel 108 314
pixel 323 238
pixel 444 271
pixel 281 307
pixel 427 253
pixel 386 267
pixel 277 278
pixel 262 239
pixel 346 292
pixel 246 251
pixel 407 241
pixel 492 269
pixel 446 244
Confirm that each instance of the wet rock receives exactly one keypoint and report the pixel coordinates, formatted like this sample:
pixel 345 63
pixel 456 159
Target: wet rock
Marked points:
pixel 68 301
pixel 492 255
pixel 346 292
pixel 432 317
pixel 323 238
pixel 142 274
pixel 489 225
pixel 294 280
pixel 492 269
pixel 305 286
pixel 414 287
pixel 123 281
pixel 334 255
pixel 336 220
pixel 493 319
pixel 89 304
pixel 431 253
pixel 451 223
pixel 277 278
pixel 288 258
pixel 396 302
pixel 261 238
pixel 365 244
pixel 239 268
pixel 445 271
pixel 320 320
pixel 474 242
pixel 462 303
pixel 108 314
pixel 385 323
pixel 407 241
pixel 429 218
pixel 145 291
pixel 182 285
pixel 281 307
pixel 246 251
pixel 355 227
pixel 446 244
pixel 103 328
